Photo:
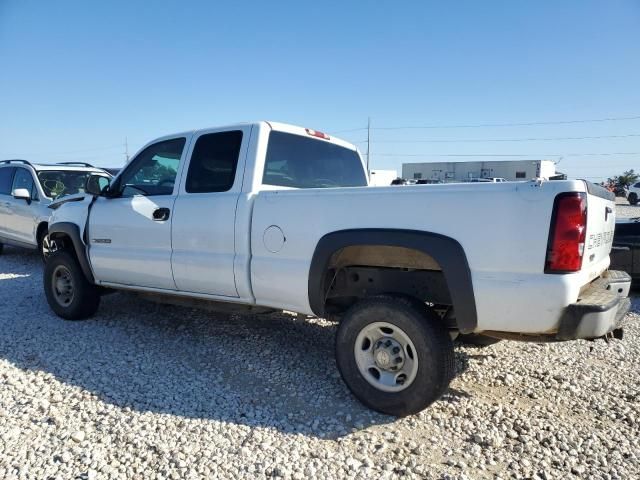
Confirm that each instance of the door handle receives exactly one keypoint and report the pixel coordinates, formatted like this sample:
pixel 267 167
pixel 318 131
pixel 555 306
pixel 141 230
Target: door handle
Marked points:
pixel 161 214
pixel 607 211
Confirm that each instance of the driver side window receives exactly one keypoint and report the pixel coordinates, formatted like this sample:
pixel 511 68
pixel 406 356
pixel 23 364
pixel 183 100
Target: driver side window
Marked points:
pixel 154 170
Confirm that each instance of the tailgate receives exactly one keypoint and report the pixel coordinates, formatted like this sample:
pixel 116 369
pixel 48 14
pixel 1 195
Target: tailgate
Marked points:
pixel 601 221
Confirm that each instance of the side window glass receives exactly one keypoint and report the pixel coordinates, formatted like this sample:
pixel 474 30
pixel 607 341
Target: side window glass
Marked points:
pixel 154 170
pixel 6 179
pixel 22 179
pixel 213 162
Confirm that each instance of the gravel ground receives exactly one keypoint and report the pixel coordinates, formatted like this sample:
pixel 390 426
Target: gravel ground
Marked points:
pixel 148 391
pixel 624 210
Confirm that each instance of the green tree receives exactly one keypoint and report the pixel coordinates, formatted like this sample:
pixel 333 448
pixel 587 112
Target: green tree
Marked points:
pixel 623 181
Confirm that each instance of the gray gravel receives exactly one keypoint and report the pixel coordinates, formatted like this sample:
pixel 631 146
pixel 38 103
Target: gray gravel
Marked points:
pixel 149 391
pixel 624 210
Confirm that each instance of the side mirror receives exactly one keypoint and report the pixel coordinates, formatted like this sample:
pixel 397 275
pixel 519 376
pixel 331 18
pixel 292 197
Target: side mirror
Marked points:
pixel 96 184
pixel 22 193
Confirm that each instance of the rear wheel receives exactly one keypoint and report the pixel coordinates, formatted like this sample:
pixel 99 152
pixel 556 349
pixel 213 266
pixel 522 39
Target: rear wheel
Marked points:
pixel 394 354
pixel 68 292
pixel 633 198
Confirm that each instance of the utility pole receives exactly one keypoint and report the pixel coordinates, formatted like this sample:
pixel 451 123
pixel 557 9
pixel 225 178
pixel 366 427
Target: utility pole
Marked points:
pixel 368 144
pixel 126 149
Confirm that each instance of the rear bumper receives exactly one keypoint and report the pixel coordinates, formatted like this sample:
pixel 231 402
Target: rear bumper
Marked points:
pixel 599 310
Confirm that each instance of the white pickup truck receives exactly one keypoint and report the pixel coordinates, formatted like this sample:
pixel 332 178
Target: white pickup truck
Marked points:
pixel 266 216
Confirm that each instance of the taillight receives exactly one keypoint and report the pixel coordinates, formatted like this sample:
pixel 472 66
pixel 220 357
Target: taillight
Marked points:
pixel 567 235
pixel 315 133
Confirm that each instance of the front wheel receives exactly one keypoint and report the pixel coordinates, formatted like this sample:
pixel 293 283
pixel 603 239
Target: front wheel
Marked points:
pixel 394 354
pixel 633 198
pixel 47 246
pixel 69 294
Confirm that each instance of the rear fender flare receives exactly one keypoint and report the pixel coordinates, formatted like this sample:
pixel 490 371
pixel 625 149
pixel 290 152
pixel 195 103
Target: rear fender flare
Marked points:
pixel 445 250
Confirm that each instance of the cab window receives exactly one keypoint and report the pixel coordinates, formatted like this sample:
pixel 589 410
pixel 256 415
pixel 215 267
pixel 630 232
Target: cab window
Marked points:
pixel 213 162
pixel 23 179
pixel 6 179
pixel 153 171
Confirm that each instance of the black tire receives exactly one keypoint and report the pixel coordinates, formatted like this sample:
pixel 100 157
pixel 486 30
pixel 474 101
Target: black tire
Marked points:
pixel 433 348
pixel 478 340
pixel 41 236
pixel 85 297
pixel 633 198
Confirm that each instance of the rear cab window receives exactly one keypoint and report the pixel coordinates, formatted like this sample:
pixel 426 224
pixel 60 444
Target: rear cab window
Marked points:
pixel 297 161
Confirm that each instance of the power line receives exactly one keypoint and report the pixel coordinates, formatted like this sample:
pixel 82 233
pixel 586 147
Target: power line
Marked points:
pixel 509 124
pixel 515 124
pixel 532 139
pixel 502 154
pixel 350 130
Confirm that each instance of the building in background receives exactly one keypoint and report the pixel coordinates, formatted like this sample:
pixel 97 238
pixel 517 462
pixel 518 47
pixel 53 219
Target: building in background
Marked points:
pixel 467 171
pixel 379 178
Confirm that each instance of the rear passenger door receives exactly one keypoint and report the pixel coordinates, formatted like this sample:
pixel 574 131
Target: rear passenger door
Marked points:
pixel 203 229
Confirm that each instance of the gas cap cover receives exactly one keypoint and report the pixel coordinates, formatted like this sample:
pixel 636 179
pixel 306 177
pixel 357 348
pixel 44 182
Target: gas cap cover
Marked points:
pixel 273 239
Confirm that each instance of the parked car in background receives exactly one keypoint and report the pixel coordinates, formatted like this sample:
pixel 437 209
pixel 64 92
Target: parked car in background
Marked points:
pixel 428 181
pixel 27 189
pixel 633 193
pixel 398 181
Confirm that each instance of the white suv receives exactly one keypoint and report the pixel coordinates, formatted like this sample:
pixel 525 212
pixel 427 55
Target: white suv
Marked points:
pixel 27 189
pixel 633 194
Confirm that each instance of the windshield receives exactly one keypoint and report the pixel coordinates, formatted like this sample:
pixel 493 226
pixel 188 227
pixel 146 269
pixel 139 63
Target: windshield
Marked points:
pixel 60 183
pixel 301 162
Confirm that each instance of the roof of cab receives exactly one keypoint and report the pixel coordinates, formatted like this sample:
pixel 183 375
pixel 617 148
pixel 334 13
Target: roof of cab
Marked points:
pixel 277 126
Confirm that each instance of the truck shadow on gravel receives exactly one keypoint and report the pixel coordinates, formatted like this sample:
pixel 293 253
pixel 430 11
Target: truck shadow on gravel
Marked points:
pixel 273 371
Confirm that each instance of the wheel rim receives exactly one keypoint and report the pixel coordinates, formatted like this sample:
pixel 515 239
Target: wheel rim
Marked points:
pixel 62 286
pixel 386 357
pixel 48 246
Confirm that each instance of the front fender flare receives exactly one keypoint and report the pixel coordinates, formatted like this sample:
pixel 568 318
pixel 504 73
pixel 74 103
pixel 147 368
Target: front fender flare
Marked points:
pixel 445 250
pixel 72 231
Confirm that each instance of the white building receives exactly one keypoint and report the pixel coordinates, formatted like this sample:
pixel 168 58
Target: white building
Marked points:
pixel 379 178
pixel 465 171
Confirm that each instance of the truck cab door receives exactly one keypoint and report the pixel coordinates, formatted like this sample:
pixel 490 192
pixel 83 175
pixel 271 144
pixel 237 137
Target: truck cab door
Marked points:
pixel 129 232
pixel 203 229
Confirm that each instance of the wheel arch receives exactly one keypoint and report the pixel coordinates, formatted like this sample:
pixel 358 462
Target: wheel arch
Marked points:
pixel 444 253
pixel 43 225
pixel 71 231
